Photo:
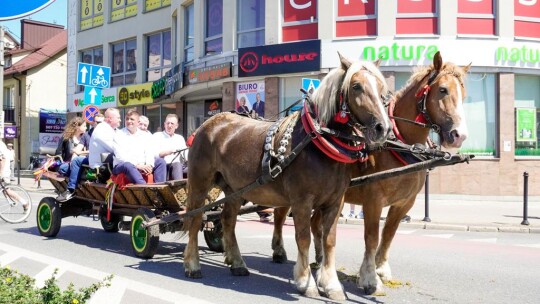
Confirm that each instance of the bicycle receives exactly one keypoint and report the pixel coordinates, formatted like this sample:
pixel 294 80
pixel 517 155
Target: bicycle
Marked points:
pixel 15 203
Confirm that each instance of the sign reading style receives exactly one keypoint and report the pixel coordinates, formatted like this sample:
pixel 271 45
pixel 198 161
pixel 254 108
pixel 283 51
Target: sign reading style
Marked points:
pixel 285 58
pixel 133 95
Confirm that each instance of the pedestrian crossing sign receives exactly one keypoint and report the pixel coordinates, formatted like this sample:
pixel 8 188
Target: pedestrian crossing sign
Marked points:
pixel 310 84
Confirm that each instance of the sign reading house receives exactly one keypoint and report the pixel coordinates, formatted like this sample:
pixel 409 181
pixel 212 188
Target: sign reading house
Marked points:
pixel 284 58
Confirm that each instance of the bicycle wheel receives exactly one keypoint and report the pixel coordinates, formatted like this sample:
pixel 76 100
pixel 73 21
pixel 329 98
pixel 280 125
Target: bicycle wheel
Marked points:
pixel 15 204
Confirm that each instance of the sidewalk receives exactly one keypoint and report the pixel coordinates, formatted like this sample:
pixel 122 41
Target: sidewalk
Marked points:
pixel 446 211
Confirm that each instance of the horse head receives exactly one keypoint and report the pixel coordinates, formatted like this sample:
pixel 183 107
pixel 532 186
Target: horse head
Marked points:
pixel 441 101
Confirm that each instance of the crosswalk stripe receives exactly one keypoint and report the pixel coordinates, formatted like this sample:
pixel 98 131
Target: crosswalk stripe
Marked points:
pixel 442 236
pixel 405 231
pixel 529 245
pixel 486 240
pixel 46 274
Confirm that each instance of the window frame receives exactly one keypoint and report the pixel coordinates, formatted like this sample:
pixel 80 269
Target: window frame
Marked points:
pixel 214 38
pixel 162 68
pixel 189 25
pixel 125 73
pixel 260 29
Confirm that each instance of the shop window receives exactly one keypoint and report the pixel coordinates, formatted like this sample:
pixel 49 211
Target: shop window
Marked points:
pixel 213 42
pixel 356 19
pixel 480 113
pixel 91 14
pixel 527 18
pixel 476 17
pixel 417 17
pixel 289 92
pixel 250 23
pixel 194 115
pixel 527 115
pixel 158 60
pixel 189 35
pixel 92 56
pixel 121 9
pixel 300 20
pixel 124 63
pixel 156 115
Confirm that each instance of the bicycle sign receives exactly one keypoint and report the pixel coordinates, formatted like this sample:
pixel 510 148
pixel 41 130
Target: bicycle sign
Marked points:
pixel 93 75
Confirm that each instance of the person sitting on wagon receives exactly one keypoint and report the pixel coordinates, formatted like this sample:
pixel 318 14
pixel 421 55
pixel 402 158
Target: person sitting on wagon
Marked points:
pixel 71 145
pixel 133 156
pixel 101 141
pixel 169 142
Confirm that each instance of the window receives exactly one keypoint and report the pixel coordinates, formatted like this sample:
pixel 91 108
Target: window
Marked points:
pixel 121 9
pixel 356 18
pixel 480 113
pixel 124 63
pixel 189 35
pixel 476 17
pixel 9 106
pixel 156 115
pixel 159 55
pixel 250 23
pixel 195 116
pixel 527 18
pixel 91 14
pixel 213 42
pixel 416 17
pixel 92 56
pixel 300 20
pixel 527 114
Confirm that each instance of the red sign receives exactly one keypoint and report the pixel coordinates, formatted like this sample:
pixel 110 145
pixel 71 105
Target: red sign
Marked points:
pixel 527 8
pixel 416 6
pixel 483 20
pixel 364 25
pixel 303 12
pixel 89 112
pixel 524 10
pixel 210 73
pixel 420 24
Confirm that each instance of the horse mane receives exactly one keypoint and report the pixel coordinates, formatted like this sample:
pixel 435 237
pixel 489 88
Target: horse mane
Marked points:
pixel 421 72
pixel 326 97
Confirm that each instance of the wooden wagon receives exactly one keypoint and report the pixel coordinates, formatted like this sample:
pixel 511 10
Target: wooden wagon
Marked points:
pixel 132 205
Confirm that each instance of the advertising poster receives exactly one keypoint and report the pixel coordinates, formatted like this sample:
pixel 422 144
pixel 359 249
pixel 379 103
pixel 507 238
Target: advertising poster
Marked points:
pixel 212 107
pixel 250 97
pixel 51 126
pixel 526 124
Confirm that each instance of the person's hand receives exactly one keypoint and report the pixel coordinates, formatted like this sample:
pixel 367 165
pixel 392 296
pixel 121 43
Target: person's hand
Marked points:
pixel 145 169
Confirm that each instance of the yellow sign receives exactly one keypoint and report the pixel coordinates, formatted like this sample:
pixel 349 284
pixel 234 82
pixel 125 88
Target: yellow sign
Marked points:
pixel 131 10
pixel 117 4
pixel 134 95
pixel 151 5
pixel 86 9
pixel 98 7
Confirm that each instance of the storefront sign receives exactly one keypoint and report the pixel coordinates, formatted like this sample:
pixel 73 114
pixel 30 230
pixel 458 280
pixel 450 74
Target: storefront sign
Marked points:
pixel 108 100
pixel 299 20
pixel 210 73
pixel 286 58
pixel 133 95
pixel 212 107
pixel 526 124
pixel 169 83
pixel 250 96
pixel 10 132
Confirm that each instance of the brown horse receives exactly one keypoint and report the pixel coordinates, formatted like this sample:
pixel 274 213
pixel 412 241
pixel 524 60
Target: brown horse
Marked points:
pixel 434 96
pixel 228 150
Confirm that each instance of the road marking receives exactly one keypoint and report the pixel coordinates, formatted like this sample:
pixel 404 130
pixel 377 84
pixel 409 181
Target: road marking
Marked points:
pixel 486 240
pixel 442 236
pixel 529 245
pixel 405 231
pixel 46 274
pixel 118 287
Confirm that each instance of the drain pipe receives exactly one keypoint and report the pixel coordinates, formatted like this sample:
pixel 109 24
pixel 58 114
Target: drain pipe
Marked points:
pixel 19 128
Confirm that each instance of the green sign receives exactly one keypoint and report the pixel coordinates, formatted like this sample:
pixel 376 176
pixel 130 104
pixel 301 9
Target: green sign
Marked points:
pixel 526 124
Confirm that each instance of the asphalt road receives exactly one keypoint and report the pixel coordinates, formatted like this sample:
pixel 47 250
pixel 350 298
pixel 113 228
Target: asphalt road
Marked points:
pixel 432 266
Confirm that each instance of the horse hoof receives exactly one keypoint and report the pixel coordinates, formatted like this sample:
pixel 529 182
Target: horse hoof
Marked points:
pixel 279 258
pixel 336 295
pixel 369 290
pixel 240 271
pixel 312 293
pixel 197 274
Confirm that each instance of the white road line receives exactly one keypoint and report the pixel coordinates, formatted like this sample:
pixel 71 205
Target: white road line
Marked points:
pixel 442 236
pixel 118 284
pixel 486 240
pixel 47 273
pixel 405 231
pixel 529 245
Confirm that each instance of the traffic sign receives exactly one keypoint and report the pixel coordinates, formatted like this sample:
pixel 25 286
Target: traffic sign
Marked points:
pixel 93 75
pixel 89 112
pixel 92 95
pixel 310 84
pixel 22 9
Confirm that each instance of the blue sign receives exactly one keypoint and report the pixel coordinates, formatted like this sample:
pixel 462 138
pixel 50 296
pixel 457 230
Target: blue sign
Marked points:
pixel 22 8
pixel 310 84
pixel 93 75
pixel 92 96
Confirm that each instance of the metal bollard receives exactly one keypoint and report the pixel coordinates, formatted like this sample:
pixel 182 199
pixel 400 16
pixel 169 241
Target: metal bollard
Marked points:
pixel 525 198
pixel 426 197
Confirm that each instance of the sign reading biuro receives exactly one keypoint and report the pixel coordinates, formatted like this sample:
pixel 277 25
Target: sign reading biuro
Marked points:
pixel 285 58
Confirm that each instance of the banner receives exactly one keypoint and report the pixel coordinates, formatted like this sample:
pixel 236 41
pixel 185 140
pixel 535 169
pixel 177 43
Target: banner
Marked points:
pixel 51 126
pixel 250 97
pixel 526 124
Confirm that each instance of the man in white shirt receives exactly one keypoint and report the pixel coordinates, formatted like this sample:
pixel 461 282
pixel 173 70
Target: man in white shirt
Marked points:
pixel 134 155
pixel 101 141
pixel 169 143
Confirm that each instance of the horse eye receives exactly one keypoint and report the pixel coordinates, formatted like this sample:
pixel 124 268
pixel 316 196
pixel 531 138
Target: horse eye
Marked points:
pixel 443 90
pixel 357 87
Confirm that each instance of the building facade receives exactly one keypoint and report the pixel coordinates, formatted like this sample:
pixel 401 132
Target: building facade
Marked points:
pixel 198 58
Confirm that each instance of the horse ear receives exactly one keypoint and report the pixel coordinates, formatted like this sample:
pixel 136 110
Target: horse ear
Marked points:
pixel 467 67
pixel 437 61
pixel 377 62
pixel 345 63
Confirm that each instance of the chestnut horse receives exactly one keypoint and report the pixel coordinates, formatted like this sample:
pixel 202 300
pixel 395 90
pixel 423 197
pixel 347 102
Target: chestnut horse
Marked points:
pixel 433 96
pixel 228 149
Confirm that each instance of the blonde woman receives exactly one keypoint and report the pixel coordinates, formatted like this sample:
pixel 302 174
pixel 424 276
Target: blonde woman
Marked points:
pixel 71 145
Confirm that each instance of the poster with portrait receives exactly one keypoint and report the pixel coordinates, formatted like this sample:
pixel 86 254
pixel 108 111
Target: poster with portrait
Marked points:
pixel 526 124
pixel 250 97
pixel 51 126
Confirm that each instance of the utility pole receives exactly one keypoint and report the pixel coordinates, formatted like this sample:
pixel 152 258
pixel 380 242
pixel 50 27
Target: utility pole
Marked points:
pixel 1 65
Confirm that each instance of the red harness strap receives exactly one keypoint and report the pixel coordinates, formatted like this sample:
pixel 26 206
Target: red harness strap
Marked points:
pixel 325 146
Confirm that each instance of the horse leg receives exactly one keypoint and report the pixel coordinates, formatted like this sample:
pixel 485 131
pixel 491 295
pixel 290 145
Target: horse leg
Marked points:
pixel 316 230
pixel 192 265
pixel 305 283
pixel 230 244
pixel 395 214
pixel 368 278
pixel 279 255
pixel 327 277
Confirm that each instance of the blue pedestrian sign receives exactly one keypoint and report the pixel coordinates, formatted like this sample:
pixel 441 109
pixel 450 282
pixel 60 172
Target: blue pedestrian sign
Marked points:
pixel 93 75
pixel 92 96
pixel 310 84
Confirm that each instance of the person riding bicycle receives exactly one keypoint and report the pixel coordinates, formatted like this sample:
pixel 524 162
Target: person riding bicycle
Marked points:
pixel 5 173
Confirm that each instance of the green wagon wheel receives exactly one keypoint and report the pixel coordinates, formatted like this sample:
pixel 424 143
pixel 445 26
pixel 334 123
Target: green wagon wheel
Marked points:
pixel 144 240
pixel 214 237
pixel 48 217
